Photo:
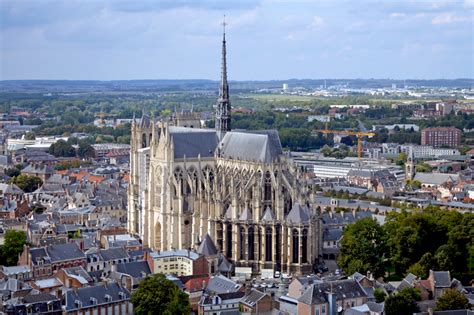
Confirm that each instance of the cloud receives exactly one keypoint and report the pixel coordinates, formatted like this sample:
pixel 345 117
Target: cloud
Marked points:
pixel 396 15
pixel 317 22
pixel 449 18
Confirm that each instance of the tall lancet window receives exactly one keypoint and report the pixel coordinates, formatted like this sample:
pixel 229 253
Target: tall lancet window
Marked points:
pixel 268 188
pixel 251 244
pixel 296 245
pixel 229 240
pixel 242 243
pixel 268 244
pixel 304 247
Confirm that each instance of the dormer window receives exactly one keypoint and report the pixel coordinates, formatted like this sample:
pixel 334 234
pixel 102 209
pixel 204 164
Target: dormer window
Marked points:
pixel 78 304
pixel 108 298
pixel 121 295
pixel 93 301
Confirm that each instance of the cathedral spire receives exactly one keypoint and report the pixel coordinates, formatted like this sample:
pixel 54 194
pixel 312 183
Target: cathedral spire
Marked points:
pixel 223 107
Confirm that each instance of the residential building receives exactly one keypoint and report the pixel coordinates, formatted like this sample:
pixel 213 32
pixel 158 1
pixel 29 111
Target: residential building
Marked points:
pixel 441 137
pixel 46 261
pixel 110 298
pixel 180 262
pixel 327 297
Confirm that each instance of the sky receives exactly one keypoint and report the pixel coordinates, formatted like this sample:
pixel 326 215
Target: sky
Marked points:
pixel 266 40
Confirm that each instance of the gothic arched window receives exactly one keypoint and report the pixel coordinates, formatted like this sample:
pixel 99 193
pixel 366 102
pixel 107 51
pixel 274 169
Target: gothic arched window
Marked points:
pixel 229 240
pixel 268 244
pixel 296 245
pixel 251 244
pixel 242 242
pixel 304 247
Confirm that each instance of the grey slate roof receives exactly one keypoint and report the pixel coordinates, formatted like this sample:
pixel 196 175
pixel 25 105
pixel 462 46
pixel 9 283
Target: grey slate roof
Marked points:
pixel 220 284
pixel 136 269
pixel 268 215
pixel 98 292
pixel 298 214
pixel 252 297
pixel 207 247
pixel 344 289
pixel 436 178
pixel 442 279
pixel 332 234
pixel 67 251
pixel 224 265
pixel 191 142
pixel 258 146
pixel 114 253
pixel 78 273
pixel 410 278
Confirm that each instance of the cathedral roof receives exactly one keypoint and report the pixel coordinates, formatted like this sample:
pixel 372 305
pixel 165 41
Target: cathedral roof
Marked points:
pixel 268 215
pixel 207 247
pixel 246 215
pixel 224 265
pixel 191 142
pixel 261 146
pixel 298 214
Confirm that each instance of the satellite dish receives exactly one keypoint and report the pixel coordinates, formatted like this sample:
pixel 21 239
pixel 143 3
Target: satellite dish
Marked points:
pixel 339 309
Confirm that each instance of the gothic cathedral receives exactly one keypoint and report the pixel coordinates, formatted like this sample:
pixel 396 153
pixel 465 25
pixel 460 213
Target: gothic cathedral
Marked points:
pixel 237 186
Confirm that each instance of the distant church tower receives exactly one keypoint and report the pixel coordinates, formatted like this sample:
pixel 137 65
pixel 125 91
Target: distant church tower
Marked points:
pixel 410 165
pixel 223 108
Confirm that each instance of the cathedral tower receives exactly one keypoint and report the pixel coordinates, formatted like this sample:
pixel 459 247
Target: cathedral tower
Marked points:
pixel 223 107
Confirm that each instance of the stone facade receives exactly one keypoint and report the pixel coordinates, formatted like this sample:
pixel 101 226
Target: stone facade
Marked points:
pixel 238 187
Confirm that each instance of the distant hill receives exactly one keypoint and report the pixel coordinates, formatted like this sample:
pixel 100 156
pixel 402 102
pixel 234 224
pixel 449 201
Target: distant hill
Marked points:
pixel 87 86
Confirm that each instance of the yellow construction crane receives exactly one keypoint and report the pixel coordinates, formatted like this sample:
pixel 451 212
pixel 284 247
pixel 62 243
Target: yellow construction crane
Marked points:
pixel 358 134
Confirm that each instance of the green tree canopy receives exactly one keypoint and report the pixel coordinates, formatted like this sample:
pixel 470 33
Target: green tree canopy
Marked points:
pixel 452 300
pixel 379 295
pixel 62 148
pixel 27 183
pixel 13 246
pixel 158 295
pixel 400 305
pixel 85 150
pixel 362 248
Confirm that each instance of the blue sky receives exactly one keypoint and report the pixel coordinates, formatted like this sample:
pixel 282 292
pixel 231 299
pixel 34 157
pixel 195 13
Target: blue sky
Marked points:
pixel 268 39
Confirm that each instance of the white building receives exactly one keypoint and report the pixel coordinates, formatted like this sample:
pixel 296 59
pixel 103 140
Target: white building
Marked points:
pixel 177 262
pixel 392 127
pixel 320 118
pixel 427 151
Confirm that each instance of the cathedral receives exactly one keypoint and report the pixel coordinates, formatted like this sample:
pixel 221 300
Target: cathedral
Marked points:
pixel 238 187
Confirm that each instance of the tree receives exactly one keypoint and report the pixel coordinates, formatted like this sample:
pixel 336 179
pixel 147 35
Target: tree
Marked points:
pixel 379 295
pixel 400 305
pixel 85 150
pixel 62 148
pixel 158 295
pixel 13 246
pixel 423 167
pixel 12 172
pixel 401 159
pixel 411 294
pixel 452 300
pixel 422 267
pixel 27 183
pixel 362 248
pixel 30 136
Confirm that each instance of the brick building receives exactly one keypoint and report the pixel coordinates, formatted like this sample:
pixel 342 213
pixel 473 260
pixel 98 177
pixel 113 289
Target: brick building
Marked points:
pixel 441 136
